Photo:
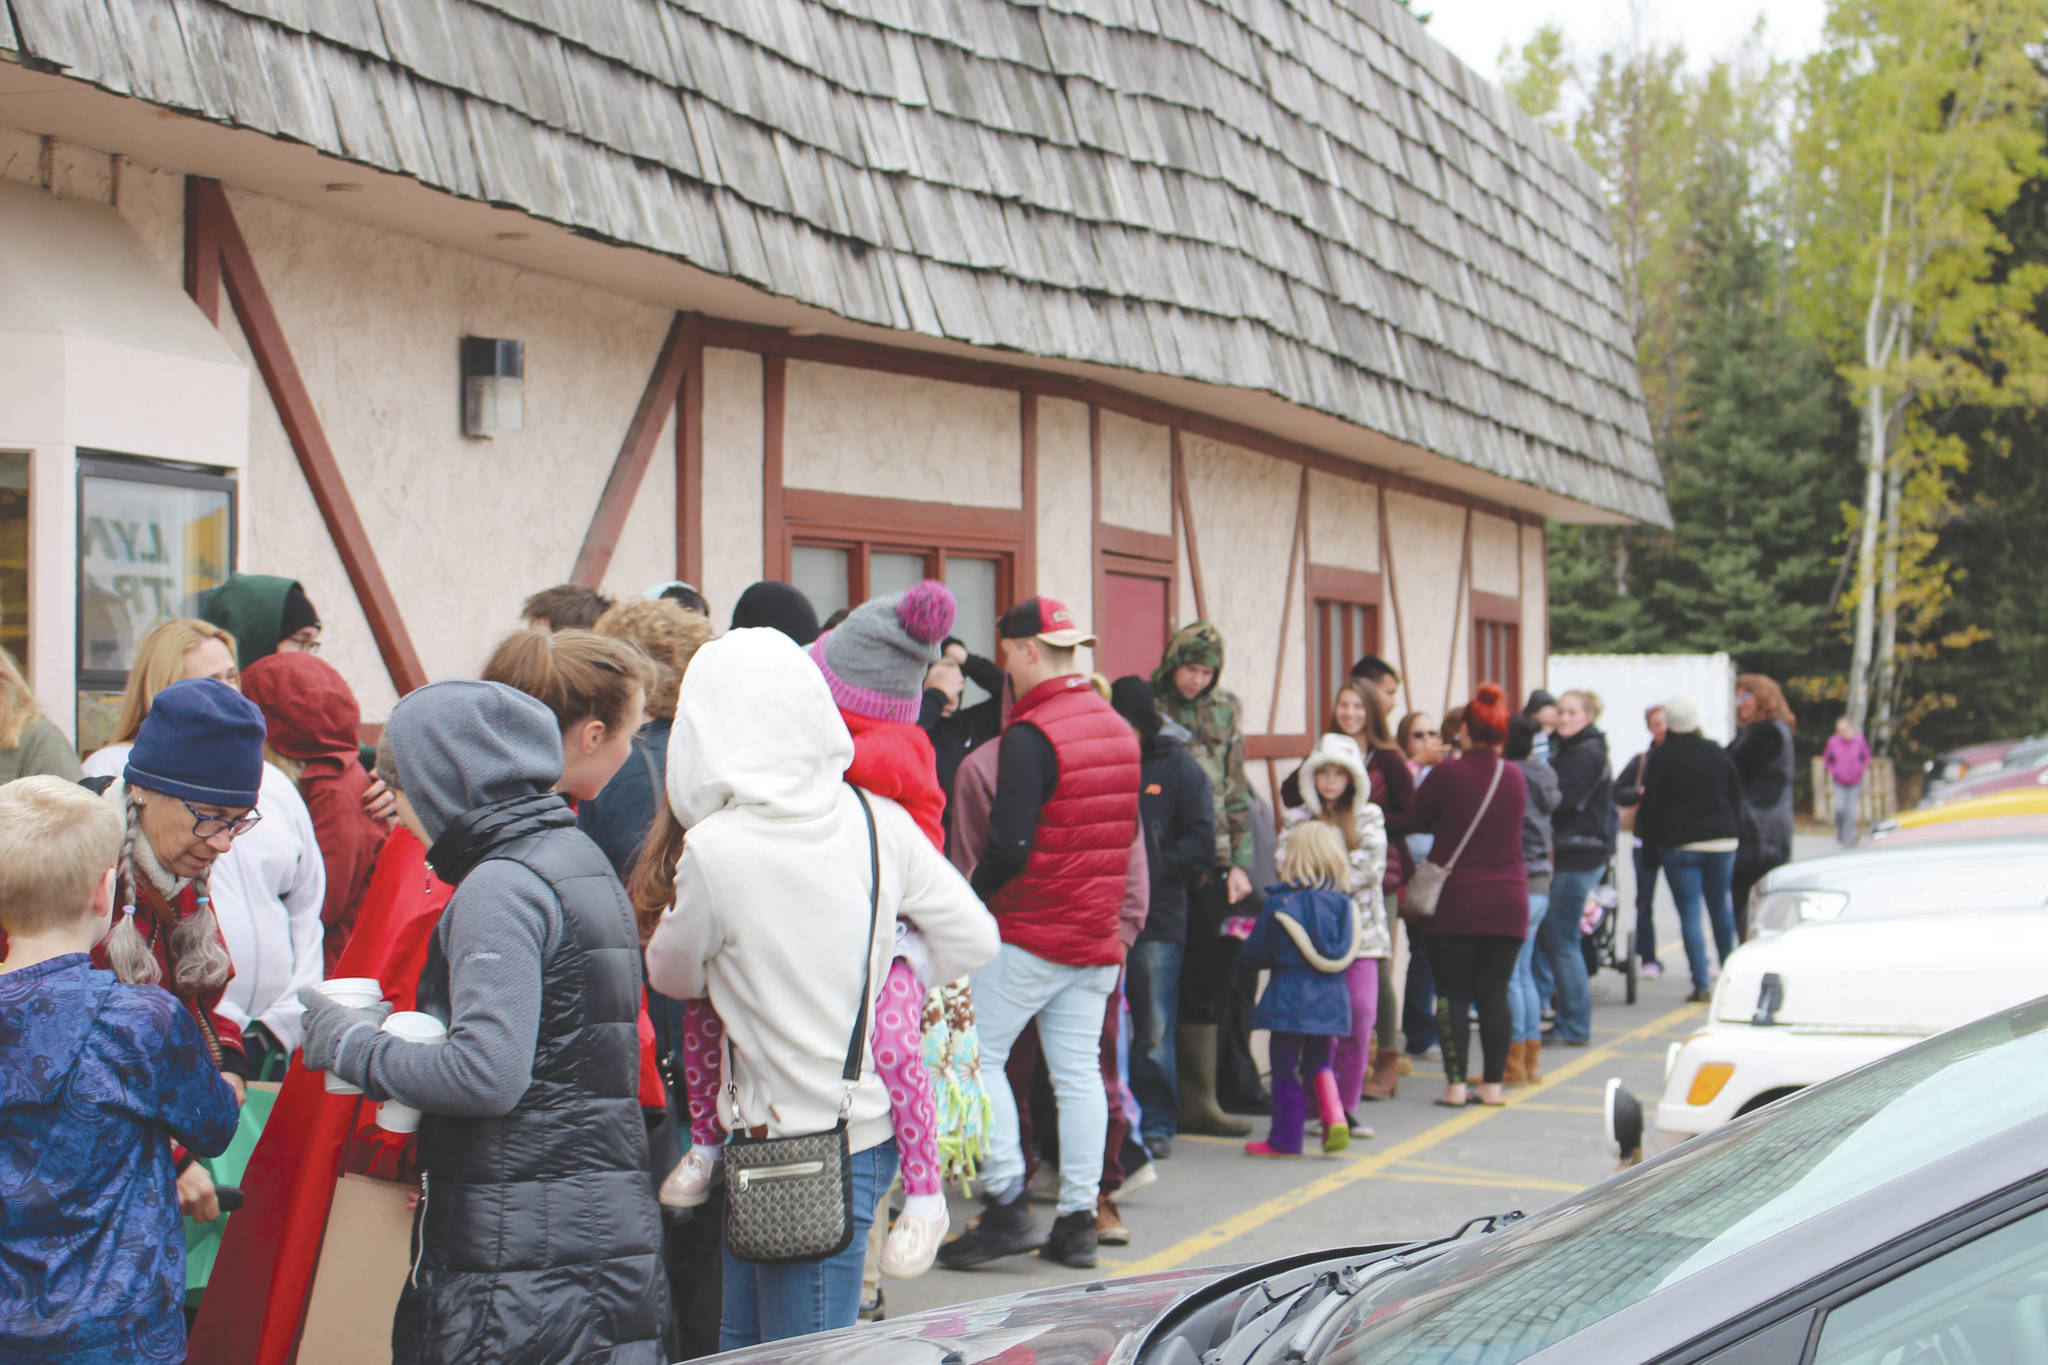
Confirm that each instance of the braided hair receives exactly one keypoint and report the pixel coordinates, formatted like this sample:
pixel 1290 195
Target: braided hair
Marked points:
pixel 199 960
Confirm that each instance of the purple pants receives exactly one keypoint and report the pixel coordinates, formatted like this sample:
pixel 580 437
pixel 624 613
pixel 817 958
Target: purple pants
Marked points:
pixel 1354 1051
pixel 1297 1057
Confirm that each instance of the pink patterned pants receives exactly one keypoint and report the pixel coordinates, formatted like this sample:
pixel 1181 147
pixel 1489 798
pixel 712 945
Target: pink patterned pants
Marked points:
pixel 897 1043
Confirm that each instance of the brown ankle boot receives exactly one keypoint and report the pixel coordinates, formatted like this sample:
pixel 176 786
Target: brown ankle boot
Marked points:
pixel 1385 1077
pixel 1532 1057
pixel 1515 1072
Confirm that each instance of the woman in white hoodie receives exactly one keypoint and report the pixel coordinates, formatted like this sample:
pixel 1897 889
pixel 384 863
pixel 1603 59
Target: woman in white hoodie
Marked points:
pixel 771 909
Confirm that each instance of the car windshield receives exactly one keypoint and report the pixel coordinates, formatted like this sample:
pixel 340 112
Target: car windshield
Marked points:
pixel 1509 1295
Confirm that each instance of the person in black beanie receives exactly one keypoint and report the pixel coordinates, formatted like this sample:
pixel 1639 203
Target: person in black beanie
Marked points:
pixel 781 605
pixel 1177 817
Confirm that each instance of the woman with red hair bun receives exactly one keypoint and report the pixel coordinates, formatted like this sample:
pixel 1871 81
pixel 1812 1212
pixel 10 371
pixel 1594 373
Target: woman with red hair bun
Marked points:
pixel 1473 808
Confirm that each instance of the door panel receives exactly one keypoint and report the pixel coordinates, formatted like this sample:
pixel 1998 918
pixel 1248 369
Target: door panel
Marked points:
pixel 1133 629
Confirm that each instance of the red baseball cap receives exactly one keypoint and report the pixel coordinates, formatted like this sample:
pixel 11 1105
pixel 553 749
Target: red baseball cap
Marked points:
pixel 1043 618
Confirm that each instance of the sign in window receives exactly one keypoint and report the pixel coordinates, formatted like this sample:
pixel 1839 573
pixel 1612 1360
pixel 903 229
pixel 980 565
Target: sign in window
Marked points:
pixel 153 539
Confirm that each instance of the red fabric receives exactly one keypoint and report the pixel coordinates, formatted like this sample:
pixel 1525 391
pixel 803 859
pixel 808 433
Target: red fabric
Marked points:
pixel 895 760
pixel 271 1248
pixel 1064 906
pixel 313 719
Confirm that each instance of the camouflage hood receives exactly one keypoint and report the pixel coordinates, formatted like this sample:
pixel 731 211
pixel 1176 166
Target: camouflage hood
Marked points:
pixel 1198 642
pixel 1215 738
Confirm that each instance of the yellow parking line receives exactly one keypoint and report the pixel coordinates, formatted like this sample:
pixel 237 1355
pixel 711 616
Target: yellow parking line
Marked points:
pixel 1566 1108
pixel 1474 1182
pixel 1480 1173
pixel 1351 1172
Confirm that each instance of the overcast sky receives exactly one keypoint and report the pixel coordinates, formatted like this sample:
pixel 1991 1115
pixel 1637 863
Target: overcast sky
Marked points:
pixel 1476 29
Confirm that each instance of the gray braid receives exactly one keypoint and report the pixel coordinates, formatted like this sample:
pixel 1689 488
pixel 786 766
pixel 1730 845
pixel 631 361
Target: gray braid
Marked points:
pixel 127 954
pixel 198 957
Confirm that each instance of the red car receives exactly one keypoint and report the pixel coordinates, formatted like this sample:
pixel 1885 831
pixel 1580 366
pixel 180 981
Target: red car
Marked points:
pixel 1976 761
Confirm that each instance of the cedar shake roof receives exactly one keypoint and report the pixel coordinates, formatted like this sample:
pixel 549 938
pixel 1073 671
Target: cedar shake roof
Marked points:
pixel 1307 197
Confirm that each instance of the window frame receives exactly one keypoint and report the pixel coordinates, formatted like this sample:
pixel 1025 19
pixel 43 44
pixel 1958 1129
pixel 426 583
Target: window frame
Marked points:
pixel 1328 585
pixel 939 532
pixel 1495 612
pixel 108 464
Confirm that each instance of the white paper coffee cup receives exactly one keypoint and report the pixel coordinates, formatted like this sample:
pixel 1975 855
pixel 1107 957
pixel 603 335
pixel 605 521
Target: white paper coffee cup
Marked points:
pixel 413 1027
pixel 358 993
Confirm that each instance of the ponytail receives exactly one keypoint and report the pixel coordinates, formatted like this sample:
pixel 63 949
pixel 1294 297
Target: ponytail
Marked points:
pixel 576 674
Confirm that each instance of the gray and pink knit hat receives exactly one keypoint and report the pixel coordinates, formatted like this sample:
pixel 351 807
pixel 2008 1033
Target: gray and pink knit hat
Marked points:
pixel 875 660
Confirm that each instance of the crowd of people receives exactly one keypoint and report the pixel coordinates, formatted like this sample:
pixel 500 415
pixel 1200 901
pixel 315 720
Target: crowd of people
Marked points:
pixel 645 908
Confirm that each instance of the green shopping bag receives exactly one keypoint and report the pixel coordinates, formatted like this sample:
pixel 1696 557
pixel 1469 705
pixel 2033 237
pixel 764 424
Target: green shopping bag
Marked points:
pixel 202 1240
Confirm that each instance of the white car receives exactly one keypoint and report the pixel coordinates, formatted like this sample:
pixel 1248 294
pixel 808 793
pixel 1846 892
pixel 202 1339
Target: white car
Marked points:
pixel 1807 1005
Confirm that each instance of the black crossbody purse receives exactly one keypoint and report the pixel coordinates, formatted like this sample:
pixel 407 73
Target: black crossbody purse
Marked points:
pixel 791 1198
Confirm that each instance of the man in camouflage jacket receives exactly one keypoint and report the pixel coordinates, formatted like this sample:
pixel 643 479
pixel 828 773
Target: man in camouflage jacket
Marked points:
pixel 1215 1005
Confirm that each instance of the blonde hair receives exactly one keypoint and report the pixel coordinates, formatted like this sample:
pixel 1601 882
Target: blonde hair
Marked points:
pixel 668 634
pixel 1315 856
pixel 577 674
pixel 17 703
pixel 1589 702
pixel 199 960
pixel 159 662
pixel 1100 684
pixel 57 841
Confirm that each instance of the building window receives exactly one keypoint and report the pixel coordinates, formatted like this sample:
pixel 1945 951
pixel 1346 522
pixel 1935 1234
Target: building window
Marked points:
pixel 836 574
pixel 1344 627
pixel 14 554
pixel 153 539
pixel 1497 645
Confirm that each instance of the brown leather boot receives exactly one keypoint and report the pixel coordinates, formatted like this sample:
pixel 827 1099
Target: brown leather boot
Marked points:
pixel 1385 1077
pixel 1532 1057
pixel 1516 1071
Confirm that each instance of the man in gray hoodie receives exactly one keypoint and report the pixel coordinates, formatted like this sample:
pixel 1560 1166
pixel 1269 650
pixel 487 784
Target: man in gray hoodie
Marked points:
pixel 538 1233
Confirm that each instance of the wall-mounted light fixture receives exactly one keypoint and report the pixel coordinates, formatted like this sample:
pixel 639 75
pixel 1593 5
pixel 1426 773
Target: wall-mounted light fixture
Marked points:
pixel 493 386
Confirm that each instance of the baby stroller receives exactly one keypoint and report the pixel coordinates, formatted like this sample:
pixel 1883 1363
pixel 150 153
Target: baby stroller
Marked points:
pixel 1603 940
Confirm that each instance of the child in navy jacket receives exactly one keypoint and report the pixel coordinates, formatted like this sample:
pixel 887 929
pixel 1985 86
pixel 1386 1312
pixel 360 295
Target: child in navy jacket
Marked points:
pixel 1307 937
pixel 96 1080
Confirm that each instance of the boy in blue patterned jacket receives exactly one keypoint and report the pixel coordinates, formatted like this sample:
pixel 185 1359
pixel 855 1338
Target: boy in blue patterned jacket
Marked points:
pixel 96 1080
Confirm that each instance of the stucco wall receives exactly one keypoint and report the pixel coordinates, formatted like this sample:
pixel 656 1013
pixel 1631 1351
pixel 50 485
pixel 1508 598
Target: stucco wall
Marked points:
pixel 1244 506
pixel 1535 609
pixel 1065 542
pixel 1137 474
pixel 1426 538
pixel 1496 565
pixel 732 478
pixel 885 435
pixel 464 529
pixel 1343 523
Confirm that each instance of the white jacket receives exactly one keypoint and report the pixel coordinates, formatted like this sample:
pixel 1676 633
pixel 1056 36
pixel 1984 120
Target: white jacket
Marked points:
pixel 772 890
pixel 267 891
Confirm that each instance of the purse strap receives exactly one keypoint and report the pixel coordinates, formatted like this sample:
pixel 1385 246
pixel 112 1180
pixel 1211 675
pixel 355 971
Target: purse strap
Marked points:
pixel 1473 828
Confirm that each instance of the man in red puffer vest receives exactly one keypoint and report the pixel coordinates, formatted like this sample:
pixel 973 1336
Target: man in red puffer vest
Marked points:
pixel 1059 848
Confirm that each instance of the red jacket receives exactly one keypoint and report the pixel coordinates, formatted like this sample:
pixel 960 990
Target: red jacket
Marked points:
pixel 1064 906
pixel 895 760
pixel 313 720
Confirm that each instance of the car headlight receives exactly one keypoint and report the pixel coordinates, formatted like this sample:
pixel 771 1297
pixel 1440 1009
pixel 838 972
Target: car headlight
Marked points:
pixel 1782 910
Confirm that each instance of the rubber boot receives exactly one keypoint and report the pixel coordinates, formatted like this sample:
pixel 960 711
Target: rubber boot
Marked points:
pixel 1385 1078
pixel 1199 1112
pixel 1515 1073
pixel 1336 1131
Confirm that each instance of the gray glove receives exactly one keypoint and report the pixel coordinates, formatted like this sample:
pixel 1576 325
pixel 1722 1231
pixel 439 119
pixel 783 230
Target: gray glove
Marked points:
pixel 329 1025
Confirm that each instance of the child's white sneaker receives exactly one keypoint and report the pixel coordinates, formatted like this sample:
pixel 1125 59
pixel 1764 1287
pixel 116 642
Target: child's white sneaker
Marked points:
pixel 689 1184
pixel 912 1244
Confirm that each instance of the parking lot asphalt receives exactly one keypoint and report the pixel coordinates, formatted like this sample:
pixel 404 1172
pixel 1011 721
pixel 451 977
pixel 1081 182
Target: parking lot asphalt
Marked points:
pixel 1426 1170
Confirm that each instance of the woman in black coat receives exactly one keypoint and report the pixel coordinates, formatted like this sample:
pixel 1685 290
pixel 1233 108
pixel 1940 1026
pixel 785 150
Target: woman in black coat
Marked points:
pixel 1585 825
pixel 1762 750
pixel 1688 822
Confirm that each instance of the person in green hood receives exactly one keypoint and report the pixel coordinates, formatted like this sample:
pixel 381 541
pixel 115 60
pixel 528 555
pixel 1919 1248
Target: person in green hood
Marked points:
pixel 1214 1019
pixel 266 614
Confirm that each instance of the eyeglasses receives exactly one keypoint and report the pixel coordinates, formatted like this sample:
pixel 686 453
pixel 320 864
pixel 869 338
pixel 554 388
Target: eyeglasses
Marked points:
pixel 212 826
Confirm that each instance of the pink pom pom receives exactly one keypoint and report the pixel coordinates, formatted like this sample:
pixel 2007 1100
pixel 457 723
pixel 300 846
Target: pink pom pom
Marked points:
pixel 927 611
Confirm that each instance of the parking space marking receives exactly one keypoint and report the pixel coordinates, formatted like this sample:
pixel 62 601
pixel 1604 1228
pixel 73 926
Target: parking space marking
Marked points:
pixel 1542 1108
pixel 1474 1182
pixel 1481 1175
pixel 1351 1172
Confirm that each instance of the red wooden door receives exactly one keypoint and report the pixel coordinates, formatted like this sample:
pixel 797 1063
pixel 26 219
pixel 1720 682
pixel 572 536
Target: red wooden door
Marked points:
pixel 1133 629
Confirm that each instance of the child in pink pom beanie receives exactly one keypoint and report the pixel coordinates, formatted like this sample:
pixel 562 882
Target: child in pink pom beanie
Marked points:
pixel 875 663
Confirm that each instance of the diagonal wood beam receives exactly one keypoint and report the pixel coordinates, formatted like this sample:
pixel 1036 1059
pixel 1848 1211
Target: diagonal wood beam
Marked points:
pixel 217 252
pixel 629 468
pixel 690 458
pixel 1459 613
pixel 1187 526
pixel 1394 601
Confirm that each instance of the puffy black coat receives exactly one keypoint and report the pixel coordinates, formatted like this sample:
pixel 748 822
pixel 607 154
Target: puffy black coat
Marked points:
pixel 1178 813
pixel 1763 756
pixel 538 1238
pixel 1691 794
pixel 1585 821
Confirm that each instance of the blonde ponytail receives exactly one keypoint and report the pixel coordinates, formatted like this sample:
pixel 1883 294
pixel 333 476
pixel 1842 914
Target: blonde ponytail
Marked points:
pixel 127 955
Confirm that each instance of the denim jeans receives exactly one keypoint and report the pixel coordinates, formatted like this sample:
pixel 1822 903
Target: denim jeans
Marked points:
pixel 1525 1006
pixel 1701 881
pixel 1558 941
pixel 1848 801
pixel 1152 982
pixel 796 1298
pixel 1068 1004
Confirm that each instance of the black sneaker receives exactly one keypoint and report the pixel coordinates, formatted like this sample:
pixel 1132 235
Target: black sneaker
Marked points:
pixel 1002 1230
pixel 1073 1240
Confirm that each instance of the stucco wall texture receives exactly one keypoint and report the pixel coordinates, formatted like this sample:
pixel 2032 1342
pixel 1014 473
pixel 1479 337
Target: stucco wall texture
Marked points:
pixel 896 436
pixel 1137 474
pixel 732 529
pixel 1065 539
pixel 1343 523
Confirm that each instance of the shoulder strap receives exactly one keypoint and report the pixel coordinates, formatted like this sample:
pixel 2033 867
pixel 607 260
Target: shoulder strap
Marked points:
pixel 1473 828
pixel 857 1045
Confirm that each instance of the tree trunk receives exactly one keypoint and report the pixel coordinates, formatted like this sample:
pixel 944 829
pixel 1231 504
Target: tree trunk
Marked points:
pixel 1863 646
pixel 1886 691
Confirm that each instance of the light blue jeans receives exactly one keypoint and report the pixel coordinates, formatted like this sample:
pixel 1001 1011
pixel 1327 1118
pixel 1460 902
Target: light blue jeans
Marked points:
pixel 1069 1004
pixel 1152 985
pixel 1525 1006
pixel 796 1298
pixel 1700 881
pixel 1558 942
